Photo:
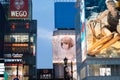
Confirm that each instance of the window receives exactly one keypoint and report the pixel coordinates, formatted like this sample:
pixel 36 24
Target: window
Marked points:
pixel 105 72
pixel 99 70
pixel 18 37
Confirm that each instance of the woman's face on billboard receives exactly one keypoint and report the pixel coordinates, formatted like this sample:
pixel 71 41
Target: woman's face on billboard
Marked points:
pixel 66 43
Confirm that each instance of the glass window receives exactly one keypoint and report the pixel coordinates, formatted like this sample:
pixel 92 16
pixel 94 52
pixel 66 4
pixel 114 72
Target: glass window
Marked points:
pixel 26 70
pixel 11 70
pixel 31 39
pixel 17 37
pixel 99 70
pixel 83 73
pixel 105 72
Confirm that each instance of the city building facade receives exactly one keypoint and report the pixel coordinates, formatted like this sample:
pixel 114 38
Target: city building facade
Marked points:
pixel 63 41
pixel 64 47
pixel 97 57
pixel 2 27
pixel 20 35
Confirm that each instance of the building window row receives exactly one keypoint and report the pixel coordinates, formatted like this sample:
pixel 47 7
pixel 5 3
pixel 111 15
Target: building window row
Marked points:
pixel 103 70
pixel 16 38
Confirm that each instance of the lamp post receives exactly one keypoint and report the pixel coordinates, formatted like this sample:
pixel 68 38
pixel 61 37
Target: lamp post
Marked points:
pixel 65 61
pixel 66 70
pixel 71 70
pixel 17 70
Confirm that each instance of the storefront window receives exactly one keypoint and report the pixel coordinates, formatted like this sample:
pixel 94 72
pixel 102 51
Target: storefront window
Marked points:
pixel 105 72
pixel 11 70
pixel 26 70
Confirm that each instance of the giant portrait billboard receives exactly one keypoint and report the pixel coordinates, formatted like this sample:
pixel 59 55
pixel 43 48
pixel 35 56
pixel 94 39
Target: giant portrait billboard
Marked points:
pixel 64 46
pixel 102 29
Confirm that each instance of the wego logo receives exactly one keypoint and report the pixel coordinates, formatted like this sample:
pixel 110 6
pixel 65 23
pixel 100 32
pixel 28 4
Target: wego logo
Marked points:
pixel 19 4
pixel 19 9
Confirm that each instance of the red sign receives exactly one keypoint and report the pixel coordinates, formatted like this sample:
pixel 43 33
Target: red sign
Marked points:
pixel 18 8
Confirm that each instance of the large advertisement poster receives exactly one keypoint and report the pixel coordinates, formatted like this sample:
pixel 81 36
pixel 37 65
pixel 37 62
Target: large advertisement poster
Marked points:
pixel 18 9
pixel 63 46
pixel 103 29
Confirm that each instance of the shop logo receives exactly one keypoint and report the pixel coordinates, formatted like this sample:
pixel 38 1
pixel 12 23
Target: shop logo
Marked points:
pixel 19 4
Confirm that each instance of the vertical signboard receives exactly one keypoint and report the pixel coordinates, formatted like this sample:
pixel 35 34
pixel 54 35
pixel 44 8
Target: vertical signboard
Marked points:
pixel 18 9
pixel 83 30
pixel 103 35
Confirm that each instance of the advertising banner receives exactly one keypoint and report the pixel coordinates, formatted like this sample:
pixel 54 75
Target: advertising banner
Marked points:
pixel 103 29
pixel 63 46
pixel 18 9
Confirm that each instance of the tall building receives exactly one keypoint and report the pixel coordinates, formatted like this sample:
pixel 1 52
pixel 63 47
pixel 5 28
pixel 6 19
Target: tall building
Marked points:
pixel 2 26
pixel 64 47
pixel 64 40
pixel 20 35
pixel 97 57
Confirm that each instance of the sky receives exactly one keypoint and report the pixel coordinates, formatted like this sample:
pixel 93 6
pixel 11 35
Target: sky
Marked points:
pixel 43 12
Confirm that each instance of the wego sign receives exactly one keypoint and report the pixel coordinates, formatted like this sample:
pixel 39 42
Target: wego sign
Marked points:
pixel 18 8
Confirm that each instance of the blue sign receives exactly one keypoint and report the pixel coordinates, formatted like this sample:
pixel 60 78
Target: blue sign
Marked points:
pixel 65 13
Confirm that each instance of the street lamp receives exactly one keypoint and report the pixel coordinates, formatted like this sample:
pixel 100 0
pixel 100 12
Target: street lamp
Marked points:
pixel 71 70
pixel 66 70
pixel 65 61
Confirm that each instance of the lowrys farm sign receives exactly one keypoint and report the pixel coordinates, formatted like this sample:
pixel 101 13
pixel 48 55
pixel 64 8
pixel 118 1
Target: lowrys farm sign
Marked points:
pixel 18 9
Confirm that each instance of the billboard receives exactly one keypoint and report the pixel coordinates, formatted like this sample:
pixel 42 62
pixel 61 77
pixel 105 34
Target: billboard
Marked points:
pixel 64 46
pixel 65 14
pixel 102 29
pixel 18 9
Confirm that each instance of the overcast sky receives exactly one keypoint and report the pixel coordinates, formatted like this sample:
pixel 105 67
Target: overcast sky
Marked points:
pixel 43 12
